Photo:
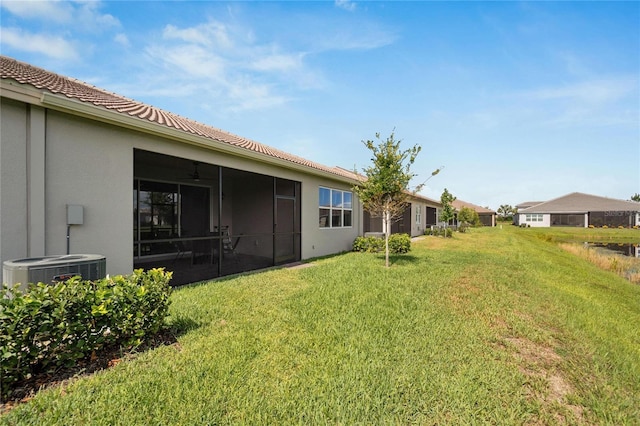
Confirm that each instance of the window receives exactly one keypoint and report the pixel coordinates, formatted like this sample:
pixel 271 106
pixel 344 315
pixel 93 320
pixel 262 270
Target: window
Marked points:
pixel 158 210
pixel 335 208
pixel 534 217
pixel 418 215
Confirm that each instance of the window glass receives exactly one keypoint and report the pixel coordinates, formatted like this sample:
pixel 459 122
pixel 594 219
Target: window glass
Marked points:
pixel 336 198
pixel 325 197
pixel 336 218
pixel 324 218
pixel 346 200
pixel 347 218
pixel 158 210
pixel 335 208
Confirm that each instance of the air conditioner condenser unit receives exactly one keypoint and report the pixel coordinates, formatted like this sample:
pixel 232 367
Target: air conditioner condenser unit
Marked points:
pixel 49 269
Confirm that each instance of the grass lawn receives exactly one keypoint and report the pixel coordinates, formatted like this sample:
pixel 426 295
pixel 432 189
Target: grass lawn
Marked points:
pixel 581 235
pixel 497 326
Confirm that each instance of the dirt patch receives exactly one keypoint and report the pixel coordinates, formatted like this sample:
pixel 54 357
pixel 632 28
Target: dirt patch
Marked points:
pixel 541 365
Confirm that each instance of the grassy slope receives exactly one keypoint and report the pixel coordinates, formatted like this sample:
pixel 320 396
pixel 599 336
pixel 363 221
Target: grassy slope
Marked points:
pixel 494 326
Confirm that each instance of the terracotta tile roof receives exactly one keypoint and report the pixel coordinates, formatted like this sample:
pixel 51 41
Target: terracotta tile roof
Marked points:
pixel 458 204
pixel 577 202
pixel 47 81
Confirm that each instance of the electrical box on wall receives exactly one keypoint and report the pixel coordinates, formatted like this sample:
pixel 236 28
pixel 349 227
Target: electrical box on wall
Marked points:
pixel 75 214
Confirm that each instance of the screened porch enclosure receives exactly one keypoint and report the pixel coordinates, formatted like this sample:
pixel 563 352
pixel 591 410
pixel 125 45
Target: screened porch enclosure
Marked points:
pixel 203 221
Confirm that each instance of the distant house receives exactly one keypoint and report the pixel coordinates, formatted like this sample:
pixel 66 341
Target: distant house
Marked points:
pixel 579 210
pixel 421 213
pixel 487 216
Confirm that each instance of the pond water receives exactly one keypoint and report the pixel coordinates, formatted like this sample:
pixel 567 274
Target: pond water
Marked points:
pixel 631 250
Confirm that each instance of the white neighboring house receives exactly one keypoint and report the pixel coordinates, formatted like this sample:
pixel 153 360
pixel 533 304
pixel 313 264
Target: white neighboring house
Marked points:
pixel 155 189
pixel 579 210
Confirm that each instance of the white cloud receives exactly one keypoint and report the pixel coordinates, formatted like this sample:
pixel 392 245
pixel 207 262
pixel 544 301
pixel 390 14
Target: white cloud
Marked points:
pixel 228 64
pixel 56 27
pixel 193 60
pixel 48 45
pixel 278 62
pixel 361 39
pixel 211 34
pixel 56 11
pixel 122 39
pixel 592 92
pixel 596 102
pixel 84 15
pixel 346 5
pixel 249 95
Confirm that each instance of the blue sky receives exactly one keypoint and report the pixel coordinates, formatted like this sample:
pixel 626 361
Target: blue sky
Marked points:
pixel 518 101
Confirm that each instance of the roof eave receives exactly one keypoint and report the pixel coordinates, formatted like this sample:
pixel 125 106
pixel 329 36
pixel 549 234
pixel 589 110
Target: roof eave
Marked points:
pixel 19 92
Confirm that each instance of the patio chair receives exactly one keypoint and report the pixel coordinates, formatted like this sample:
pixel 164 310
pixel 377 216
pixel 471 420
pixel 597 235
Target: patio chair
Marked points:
pixel 180 250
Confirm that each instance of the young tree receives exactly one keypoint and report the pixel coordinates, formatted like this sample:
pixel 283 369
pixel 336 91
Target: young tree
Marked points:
pixel 635 197
pixel 385 190
pixel 468 216
pixel 505 210
pixel 448 211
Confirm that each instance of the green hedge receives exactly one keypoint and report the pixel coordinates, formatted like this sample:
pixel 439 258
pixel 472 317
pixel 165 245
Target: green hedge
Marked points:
pixel 51 326
pixel 368 244
pixel 398 243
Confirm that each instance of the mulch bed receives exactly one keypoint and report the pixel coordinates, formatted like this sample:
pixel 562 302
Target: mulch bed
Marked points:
pixel 25 390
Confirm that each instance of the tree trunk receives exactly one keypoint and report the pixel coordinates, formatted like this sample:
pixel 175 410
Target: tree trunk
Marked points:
pixel 387 231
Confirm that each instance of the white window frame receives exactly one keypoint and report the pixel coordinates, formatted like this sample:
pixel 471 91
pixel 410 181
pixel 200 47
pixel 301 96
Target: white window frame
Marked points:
pixel 533 217
pixel 326 221
pixel 418 215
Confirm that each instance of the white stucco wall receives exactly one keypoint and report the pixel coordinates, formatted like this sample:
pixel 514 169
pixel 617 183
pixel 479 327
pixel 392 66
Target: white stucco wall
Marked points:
pixel 13 180
pixel 546 221
pixel 318 241
pixel 90 164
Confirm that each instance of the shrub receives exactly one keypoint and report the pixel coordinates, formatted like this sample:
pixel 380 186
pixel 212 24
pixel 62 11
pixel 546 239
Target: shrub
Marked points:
pixel 399 243
pixel 469 217
pixel 360 244
pixel 440 231
pixel 368 244
pixel 51 326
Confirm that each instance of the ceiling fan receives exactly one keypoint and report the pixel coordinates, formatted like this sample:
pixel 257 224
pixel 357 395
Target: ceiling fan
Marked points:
pixel 195 175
